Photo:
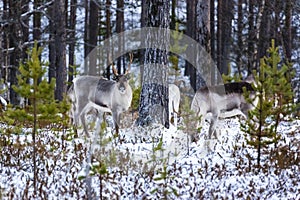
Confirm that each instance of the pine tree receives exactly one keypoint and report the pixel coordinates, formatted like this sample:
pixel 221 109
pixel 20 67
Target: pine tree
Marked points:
pixel 42 110
pixel 275 101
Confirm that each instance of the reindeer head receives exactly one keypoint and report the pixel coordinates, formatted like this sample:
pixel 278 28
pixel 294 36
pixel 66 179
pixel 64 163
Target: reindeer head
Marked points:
pixel 122 79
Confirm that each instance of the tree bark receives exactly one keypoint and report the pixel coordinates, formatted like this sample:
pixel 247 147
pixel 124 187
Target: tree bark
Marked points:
pixel 108 34
pixel 198 28
pixel 72 39
pixel 251 37
pixel 86 35
pixel 212 39
pixel 263 36
pixel 18 35
pixel 93 36
pixel 1 57
pixel 203 37
pixel 173 14
pixel 120 29
pixel 60 49
pixel 191 32
pixel 4 45
pixel 239 48
pixel 154 96
pixel 37 22
pixel 142 51
pixel 52 51
pixel 225 16
pixel 287 36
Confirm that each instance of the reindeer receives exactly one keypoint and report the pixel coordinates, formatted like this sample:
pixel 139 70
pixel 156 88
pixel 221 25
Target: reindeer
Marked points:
pixel 174 100
pixel 210 100
pixel 97 93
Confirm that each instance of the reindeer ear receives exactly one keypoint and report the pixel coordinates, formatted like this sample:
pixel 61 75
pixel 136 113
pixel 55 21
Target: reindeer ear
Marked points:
pixel 115 71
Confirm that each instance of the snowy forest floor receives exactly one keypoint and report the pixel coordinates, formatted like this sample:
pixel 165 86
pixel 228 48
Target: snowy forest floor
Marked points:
pixel 152 163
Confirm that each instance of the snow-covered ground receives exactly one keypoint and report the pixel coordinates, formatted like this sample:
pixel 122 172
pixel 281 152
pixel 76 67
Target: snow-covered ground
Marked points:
pixel 152 163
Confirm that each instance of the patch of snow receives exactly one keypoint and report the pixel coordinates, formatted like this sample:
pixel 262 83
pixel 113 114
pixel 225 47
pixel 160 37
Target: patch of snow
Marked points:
pixel 209 169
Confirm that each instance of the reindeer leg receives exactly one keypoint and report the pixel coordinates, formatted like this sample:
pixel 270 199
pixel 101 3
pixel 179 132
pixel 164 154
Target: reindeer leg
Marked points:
pixel 213 125
pixel 116 118
pixel 82 115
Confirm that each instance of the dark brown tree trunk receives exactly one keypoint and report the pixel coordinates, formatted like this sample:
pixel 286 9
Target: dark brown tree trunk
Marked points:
pixel 142 51
pixel 227 35
pixel 120 29
pixel 25 30
pixel 52 51
pixel 198 28
pixel 18 35
pixel 225 16
pixel 108 34
pixel 93 36
pixel 37 22
pixel 72 39
pixel 173 14
pixel 203 37
pixel 86 35
pixel 219 35
pixel 3 45
pixel 1 57
pixel 191 32
pixel 264 28
pixel 239 49
pixel 251 37
pixel 154 96
pixel 287 33
pixel 275 25
pixel 60 49
pixel 212 39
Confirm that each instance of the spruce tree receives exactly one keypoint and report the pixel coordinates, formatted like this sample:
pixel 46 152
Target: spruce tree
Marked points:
pixel 275 101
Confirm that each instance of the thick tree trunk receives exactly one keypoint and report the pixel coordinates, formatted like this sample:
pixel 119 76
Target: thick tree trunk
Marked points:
pixel 60 49
pixel 191 32
pixel 225 16
pixel 198 28
pixel 18 35
pixel 203 37
pixel 93 36
pixel 154 96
